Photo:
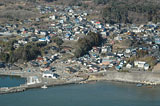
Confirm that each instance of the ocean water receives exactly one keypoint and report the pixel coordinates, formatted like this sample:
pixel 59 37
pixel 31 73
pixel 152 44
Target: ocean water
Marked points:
pixel 96 94
pixel 10 81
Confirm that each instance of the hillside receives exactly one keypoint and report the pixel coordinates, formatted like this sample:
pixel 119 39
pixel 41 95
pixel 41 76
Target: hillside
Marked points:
pixel 110 11
pixel 131 11
pixel 121 11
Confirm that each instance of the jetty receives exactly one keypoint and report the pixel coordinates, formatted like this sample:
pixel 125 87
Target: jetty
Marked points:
pixel 20 88
pixel 43 81
pixel 37 81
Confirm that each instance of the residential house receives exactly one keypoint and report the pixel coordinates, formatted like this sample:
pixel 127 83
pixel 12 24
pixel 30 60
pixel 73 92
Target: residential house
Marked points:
pixel 129 66
pixel 118 67
pixel 2 65
pixel 70 70
pixel 46 39
pixel 49 74
pixel 141 64
pixel 106 61
pixel 53 17
pixel 157 40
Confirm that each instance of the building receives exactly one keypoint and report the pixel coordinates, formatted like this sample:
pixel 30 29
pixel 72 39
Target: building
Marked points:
pixel 107 61
pixel 157 40
pixel 141 64
pixel 129 66
pixel 2 65
pixel 32 80
pixel 49 74
pixel 70 70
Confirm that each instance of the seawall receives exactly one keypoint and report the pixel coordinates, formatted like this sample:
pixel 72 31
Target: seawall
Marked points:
pixel 133 77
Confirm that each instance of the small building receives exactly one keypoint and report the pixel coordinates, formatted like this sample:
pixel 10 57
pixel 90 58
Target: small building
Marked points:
pixel 107 61
pixel 14 67
pixel 70 70
pixel 32 80
pixel 46 39
pixel 129 66
pixel 146 66
pixel 118 67
pixel 141 64
pixel 53 17
pixel 128 50
pixel 157 40
pixel 120 54
pixel 49 74
pixel 2 65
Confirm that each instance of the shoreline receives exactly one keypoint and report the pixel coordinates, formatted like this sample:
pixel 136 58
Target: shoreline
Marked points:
pixel 145 78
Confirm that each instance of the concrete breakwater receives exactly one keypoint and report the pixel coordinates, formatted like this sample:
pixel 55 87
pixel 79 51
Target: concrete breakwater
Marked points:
pixel 47 82
pixel 133 77
pixel 5 90
pixel 21 88
pixel 149 78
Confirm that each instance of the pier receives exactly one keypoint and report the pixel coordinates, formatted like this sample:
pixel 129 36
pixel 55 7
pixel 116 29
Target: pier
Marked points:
pixel 20 88
pixel 42 81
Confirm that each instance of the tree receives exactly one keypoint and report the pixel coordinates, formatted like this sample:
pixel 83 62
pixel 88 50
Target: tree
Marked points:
pixel 97 2
pixel 29 52
pixel 130 11
pixel 50 0
pixel 57 40
pixel 86 43
pixel 4 57
pixel 41 44
pixel 78 52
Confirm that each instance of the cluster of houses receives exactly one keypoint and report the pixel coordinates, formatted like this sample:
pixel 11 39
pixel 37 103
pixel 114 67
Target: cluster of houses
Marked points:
pixel 144 38
pixel 70 23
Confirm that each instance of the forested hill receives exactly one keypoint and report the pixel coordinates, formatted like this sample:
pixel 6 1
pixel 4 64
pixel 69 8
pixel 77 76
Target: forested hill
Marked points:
pixel 122 11
pixel 130 11
pixel 110 11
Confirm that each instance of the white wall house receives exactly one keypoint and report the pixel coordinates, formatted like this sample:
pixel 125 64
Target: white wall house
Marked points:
pixel 136 30
pixel 53 17
pixel 48 74
pixel 128 51
pixel 141 64
pixel 128 66
pixel 104 50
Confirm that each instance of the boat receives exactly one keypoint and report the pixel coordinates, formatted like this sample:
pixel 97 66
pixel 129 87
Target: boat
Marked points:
pixel 139 85
pixel 44 87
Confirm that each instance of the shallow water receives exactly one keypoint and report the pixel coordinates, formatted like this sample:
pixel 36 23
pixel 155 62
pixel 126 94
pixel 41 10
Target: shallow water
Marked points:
pixel 11 81
pixel 97 94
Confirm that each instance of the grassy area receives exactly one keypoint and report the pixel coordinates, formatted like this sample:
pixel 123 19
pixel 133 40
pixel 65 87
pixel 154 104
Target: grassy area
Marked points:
pixel 123 71
pixel 69 44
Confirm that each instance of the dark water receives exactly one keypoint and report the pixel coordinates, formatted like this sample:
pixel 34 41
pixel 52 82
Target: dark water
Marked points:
pixel 98 94
pixel 10 81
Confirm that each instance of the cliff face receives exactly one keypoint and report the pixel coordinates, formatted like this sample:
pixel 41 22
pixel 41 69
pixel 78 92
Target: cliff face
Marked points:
pixel 133 77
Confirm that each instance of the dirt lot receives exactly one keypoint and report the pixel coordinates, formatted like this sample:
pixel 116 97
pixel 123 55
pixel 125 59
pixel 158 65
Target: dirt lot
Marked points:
pixel 156 68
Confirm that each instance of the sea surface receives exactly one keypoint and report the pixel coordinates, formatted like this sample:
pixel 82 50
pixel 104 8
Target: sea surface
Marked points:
pixel 93 94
